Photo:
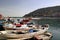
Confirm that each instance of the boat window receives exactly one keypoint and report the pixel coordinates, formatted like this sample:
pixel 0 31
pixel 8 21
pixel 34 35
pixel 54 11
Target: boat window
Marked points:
pixel 35 30
pixel 44 26
pixel 30 24
pixel 18 32
pixel 31 30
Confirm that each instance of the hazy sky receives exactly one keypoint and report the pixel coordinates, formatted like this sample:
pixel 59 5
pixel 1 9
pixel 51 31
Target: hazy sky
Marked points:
pixel 22 7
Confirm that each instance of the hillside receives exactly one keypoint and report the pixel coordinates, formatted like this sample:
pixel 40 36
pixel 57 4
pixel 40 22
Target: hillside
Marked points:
pixel 45 12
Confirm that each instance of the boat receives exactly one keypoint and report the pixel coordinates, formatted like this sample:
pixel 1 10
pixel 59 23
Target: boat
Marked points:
pixel 14 34
pixel 30 26
pixel 45 36
pixel 23 33
pixel 27 22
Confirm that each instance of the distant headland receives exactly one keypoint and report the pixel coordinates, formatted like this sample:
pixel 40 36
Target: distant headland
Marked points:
pixel 45 12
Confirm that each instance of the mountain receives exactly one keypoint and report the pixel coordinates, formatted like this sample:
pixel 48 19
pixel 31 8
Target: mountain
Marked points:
pixel 45 12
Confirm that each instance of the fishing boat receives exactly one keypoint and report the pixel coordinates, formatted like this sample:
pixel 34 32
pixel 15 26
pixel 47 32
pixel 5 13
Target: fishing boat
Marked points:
pixel 26 22
pixel 45 36
pixel 29 25
pixel 17 34
pixel 14 32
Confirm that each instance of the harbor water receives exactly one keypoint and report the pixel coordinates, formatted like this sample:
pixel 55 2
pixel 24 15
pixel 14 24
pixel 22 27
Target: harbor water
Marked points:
pixel 54 27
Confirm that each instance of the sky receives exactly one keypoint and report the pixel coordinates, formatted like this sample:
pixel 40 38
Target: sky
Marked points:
pixel 19 8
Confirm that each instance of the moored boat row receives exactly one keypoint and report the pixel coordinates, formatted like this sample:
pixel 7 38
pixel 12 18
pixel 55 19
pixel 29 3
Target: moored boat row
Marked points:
pixel 25 30
pixel 40 33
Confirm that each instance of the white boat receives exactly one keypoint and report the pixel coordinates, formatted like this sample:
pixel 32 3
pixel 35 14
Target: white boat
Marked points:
pixel 46 26
pixel 27 34
pixel 45 36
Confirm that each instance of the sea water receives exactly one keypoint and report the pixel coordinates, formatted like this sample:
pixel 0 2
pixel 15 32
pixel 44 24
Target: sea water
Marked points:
pixel 54 27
